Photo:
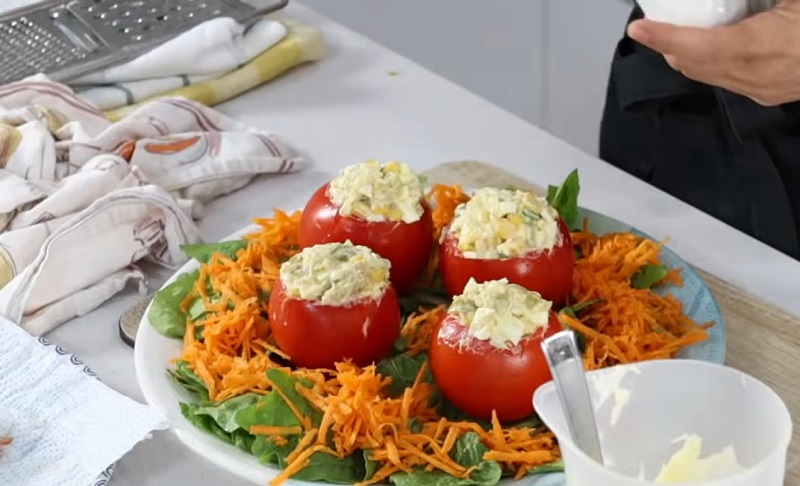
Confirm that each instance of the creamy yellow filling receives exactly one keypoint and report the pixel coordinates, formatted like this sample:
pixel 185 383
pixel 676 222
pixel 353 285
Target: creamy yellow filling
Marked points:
pixel 379 192
pixel 500 312
pixel 335 274
pixel 505 223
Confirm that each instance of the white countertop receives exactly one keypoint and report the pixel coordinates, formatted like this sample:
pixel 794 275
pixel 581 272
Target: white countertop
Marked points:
pixel 349 107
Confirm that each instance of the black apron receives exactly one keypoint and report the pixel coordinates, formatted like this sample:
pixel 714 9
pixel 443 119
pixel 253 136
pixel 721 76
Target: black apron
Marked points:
pixel 720 152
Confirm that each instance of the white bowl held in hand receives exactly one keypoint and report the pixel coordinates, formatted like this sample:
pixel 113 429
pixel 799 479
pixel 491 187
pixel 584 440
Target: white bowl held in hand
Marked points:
pixel 695 13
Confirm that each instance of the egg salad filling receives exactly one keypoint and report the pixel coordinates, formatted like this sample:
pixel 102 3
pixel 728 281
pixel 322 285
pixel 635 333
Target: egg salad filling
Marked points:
pixel 379 192
pixel 500 312
pixel 335 274
pixel 505 223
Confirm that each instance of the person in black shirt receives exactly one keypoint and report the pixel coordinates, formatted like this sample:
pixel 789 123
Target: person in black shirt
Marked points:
pixel 712 116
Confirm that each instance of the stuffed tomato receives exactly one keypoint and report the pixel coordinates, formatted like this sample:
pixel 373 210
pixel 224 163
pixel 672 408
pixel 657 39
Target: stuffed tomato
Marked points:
pixel 504 233
pixel 334 302
pixel 485 354
pixel 380 206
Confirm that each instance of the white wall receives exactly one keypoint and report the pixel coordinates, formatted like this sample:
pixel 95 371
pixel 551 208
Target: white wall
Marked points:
pixel 581 42
pixel 544 60
pixel 491 47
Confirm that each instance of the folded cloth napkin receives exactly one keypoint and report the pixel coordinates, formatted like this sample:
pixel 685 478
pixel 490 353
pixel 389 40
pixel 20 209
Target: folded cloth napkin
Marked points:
pixel 207 51
pixel 82 199
pixel 302 44
pixel 65 427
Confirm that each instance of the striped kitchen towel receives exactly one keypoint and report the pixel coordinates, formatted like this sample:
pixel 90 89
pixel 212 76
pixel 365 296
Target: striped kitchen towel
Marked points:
pixel 211 63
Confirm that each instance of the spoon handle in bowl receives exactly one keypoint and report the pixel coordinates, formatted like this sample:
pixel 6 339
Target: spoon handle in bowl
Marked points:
pixel 566 366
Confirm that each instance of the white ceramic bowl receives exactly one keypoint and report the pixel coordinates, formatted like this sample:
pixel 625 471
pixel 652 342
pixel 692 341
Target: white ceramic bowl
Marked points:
pixel 695 13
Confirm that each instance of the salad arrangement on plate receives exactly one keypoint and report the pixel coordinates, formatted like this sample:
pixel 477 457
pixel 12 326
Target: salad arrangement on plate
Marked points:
pixel 389 334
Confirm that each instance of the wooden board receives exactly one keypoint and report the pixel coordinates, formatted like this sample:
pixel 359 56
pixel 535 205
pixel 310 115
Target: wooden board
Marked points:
pixel 762 340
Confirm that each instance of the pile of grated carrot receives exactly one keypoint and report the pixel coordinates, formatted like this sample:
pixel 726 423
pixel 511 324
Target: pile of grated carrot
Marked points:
pixel 359 417
pixel 236 349
pixel 627 324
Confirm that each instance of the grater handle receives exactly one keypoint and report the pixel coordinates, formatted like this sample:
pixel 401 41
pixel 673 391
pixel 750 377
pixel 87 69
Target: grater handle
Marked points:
pixel 260 12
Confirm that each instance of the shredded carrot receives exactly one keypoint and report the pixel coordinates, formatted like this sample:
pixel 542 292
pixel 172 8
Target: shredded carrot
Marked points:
pixel 236 346
pixel 358 415
pixel 419 327
pixel 231 349
pixel 444 200
pixel 626 324
pixel 4 441
pixel 274 430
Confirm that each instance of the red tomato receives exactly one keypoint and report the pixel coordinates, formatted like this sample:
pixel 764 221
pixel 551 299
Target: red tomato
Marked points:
pixel 546 272
pixel 317 336
pixel 478 377
pixel 406 245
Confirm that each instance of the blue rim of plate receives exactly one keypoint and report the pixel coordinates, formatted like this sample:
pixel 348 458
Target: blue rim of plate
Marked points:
pixel 105 476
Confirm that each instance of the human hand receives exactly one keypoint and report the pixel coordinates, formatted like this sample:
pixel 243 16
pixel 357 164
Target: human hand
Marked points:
pixel 758 57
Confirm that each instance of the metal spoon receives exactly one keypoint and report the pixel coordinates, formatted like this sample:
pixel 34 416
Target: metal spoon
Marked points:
pixel 569 376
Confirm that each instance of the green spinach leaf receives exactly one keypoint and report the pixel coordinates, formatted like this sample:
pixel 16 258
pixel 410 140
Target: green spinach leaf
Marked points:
pixel 532 422
pixel 224 413
pixel 238 437
pixel 468 452
pixel 370 466
pixel 403 370
pixel 648 276
pixel 321 467
pixel 268 452
pixel 187 378
pixel 165 314
pixel 287 385
pixel 202 252
pixel 197 310
pixel 553 467
pixel 564 199
pixel 575 310
pixel 270 409
pixel 331 469
pixel 242 439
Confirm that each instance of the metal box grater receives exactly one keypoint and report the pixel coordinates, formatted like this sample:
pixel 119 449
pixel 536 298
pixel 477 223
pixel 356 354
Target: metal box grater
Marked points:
pixel 67 39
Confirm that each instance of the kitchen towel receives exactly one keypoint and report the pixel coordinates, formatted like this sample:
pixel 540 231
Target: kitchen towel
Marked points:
pixel 59 424
pixel 83 199
pixel 301 45
pixel 205 52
